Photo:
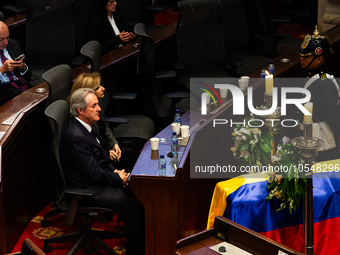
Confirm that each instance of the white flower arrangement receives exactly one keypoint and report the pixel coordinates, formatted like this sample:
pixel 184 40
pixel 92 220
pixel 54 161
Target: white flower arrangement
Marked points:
pixel 252 145
pixel 288 186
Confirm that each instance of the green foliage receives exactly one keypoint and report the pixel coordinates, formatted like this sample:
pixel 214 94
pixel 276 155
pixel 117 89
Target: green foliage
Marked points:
pixel 289 186
pixel 252 145
pixel 253 148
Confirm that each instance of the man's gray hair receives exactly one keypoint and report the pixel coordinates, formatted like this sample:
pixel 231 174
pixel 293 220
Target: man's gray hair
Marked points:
pixel 78 100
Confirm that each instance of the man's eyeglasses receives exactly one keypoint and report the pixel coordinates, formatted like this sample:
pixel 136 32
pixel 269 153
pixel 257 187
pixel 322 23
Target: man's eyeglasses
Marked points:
pixel 3 39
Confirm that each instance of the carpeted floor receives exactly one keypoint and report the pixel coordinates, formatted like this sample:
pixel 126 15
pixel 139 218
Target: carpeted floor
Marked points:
pixel 57 227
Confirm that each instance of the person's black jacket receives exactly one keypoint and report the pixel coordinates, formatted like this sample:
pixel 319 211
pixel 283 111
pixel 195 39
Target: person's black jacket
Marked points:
pixel 87 164
pixel 99 29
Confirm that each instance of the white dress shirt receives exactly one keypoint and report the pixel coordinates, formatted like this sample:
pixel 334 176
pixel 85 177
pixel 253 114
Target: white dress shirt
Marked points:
pixel 87 126
pixel 113 24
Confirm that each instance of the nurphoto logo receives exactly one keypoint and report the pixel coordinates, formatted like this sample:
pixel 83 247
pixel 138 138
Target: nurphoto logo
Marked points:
pixel 238 100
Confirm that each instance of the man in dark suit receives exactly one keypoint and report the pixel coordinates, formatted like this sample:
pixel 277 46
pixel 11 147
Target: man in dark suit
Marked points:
pixel 14 74
pixel 107 26
pixel 86 163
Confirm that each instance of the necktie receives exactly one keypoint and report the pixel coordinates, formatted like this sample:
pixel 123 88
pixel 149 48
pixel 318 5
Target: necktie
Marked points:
pixel 95 135
pixel 17 74
pixel 99 139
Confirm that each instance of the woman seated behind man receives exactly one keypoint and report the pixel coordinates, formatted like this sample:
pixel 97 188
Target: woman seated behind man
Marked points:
pixel 124 158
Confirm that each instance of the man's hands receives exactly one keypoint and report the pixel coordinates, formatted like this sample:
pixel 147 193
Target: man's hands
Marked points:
pixel 126 36
pixel 11 65
pixel 115 153
pixel 124 176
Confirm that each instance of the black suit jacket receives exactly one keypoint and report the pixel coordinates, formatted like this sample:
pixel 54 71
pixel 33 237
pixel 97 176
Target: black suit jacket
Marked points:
pixel 86 164
pixel 99 29
pixel 14 51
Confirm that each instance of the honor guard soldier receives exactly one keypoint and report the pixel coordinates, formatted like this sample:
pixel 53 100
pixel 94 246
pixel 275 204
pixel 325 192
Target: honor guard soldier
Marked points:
pixel 315 51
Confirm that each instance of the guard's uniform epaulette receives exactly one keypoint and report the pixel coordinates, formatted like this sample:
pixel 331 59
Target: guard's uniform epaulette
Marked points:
pixel 323 77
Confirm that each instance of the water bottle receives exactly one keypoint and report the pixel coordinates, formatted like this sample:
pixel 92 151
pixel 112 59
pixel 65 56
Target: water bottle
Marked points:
pixel 271 67
pixel 174 144
pixel 263 73
pixel 174 165
pixel 161 166
pixel 178 117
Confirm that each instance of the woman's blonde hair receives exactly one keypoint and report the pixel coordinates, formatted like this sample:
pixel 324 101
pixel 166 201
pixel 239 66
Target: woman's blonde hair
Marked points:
pixel 85 80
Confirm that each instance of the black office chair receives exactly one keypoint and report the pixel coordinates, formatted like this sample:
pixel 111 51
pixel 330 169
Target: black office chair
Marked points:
pixel 130 130
pixel 2 17
pixel 199 38
pixel 212 41
pixel 134 13
pixel 93 51
pixel 59 79
pixel 301 9
pixel 18 7
pixel 50 36
pixel 158 106
pixel 259 24
pixel 83 11
pixel 238 42
pixel 58 113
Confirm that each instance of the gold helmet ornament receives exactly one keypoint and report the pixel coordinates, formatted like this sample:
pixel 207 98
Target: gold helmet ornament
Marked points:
pixel 315 45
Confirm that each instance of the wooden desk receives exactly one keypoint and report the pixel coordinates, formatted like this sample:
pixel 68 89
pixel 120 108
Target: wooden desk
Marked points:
pixel 119 67
pixel 236 234
pixel 169 213
pixel 24 174
pixel 177 206
pixel 162 35
pixel 293 68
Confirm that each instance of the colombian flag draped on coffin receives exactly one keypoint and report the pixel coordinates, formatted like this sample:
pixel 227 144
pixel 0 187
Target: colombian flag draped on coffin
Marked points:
pixel 242 200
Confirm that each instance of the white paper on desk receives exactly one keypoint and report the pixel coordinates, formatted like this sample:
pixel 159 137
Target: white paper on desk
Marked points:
pixel 11 119
pixel 231 249
pixel 2 134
